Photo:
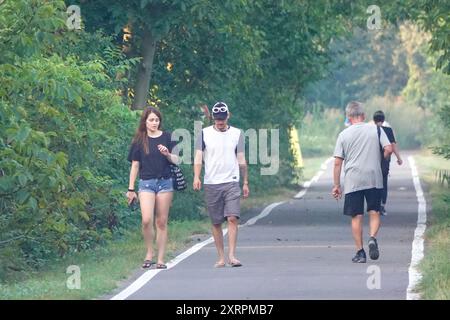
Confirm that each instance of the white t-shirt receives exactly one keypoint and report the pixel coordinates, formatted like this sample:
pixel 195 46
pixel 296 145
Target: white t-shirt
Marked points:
pixel 219 153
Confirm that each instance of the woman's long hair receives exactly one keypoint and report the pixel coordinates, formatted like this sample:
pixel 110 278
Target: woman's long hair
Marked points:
pixel 140 136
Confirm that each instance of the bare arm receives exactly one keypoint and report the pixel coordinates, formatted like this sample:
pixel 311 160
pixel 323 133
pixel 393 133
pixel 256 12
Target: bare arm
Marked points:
pixel 397 153
pixel 165 152
pixel 337 192
pixel 133 175
pixel 198 158
pixel 173 158
pixel 244 173
pixel 243 167
pixel 387 151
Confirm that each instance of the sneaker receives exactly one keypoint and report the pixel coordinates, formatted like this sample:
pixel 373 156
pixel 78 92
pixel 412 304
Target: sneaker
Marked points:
pixel 360 257
pixel 373 249
pixel 383 210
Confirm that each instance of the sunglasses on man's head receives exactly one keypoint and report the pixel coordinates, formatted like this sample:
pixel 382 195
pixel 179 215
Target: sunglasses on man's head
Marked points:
pixel 219 109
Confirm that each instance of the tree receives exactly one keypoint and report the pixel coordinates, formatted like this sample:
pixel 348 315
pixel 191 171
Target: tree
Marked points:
pixel 433 17
pixel 153 24
pixel 61 135
pixel 368 64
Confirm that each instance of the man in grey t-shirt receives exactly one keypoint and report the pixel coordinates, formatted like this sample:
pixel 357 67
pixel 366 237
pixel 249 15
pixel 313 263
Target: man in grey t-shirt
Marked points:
pixel 358 147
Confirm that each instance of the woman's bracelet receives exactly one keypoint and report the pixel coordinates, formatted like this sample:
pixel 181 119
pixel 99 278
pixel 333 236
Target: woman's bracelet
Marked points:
pixel 131 190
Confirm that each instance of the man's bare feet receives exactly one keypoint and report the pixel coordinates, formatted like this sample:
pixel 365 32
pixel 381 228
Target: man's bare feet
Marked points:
pixel 219 264
pixel 235 262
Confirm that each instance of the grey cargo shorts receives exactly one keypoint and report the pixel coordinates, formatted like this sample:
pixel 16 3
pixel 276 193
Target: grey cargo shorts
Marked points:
pixel 222 200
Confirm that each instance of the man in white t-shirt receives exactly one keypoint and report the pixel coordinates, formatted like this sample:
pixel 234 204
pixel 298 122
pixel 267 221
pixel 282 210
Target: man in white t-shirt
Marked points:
pixel 358 148
pixel 222 148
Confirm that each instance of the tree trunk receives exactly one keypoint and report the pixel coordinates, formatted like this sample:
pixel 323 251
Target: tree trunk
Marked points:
pixel 145 70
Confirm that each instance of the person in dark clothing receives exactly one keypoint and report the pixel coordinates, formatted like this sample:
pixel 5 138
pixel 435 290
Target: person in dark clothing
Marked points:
pixel 150 156
pixel 379 119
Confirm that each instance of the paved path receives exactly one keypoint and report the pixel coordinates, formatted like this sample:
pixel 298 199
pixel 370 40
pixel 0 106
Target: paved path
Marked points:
pixel 302 250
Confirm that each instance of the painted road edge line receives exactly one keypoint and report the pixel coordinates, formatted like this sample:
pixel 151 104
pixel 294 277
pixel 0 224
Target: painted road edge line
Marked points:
pixel 418 243
pixel 316 178
pixel 148 275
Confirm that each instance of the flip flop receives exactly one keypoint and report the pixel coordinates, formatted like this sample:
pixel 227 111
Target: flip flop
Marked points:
pixel 147 264
pixel 161 266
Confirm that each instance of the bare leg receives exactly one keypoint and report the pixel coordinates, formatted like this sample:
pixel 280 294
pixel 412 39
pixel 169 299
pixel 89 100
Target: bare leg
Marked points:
pixel 357 230
pixel 163 203
pixel 147 201
pixel 374 223
pixel 233 223
pixel 218 240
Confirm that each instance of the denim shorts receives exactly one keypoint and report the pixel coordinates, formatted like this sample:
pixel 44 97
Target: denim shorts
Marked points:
pixel 156 185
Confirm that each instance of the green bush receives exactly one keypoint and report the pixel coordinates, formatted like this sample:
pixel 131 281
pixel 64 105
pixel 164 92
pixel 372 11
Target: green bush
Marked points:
pixel 60 136
pixel 319 130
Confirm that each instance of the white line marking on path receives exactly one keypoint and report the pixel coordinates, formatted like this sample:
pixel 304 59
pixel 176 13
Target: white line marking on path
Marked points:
pixel 150 274
pixel 291 247
pixel 147 276
pixel 316 178
pixel 263 214
pixel 417 246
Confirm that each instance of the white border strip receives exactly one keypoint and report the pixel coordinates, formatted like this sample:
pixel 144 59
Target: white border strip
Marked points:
pixel 417 246
pixel 263 214
pixel 150 274
pixel 147 276
pixel 316 178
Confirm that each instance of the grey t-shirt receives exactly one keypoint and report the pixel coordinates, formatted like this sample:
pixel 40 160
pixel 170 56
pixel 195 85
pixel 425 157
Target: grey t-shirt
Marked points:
pixel 359 146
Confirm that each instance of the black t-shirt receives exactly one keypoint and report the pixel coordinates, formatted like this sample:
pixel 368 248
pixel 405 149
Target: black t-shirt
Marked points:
pixel 152 165
pixel 390 134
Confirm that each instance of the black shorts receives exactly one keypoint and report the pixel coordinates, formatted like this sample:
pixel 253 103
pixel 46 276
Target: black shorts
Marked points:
pixel 354 201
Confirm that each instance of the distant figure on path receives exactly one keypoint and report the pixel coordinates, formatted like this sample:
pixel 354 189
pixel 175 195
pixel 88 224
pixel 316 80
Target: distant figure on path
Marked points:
pixel 379 120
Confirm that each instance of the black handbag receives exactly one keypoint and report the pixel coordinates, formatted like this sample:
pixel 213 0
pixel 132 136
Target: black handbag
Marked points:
pixel 179 183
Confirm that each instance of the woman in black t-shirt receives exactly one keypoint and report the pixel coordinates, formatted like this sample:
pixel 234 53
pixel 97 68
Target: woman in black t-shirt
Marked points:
pixel 150 157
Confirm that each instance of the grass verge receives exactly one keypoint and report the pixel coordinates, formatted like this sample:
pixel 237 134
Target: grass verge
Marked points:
pixel 435 267
pixel 101 270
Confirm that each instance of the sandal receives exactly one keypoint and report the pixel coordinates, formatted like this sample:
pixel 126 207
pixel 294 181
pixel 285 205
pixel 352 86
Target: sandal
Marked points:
pixel 161 266
pixel 147 264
